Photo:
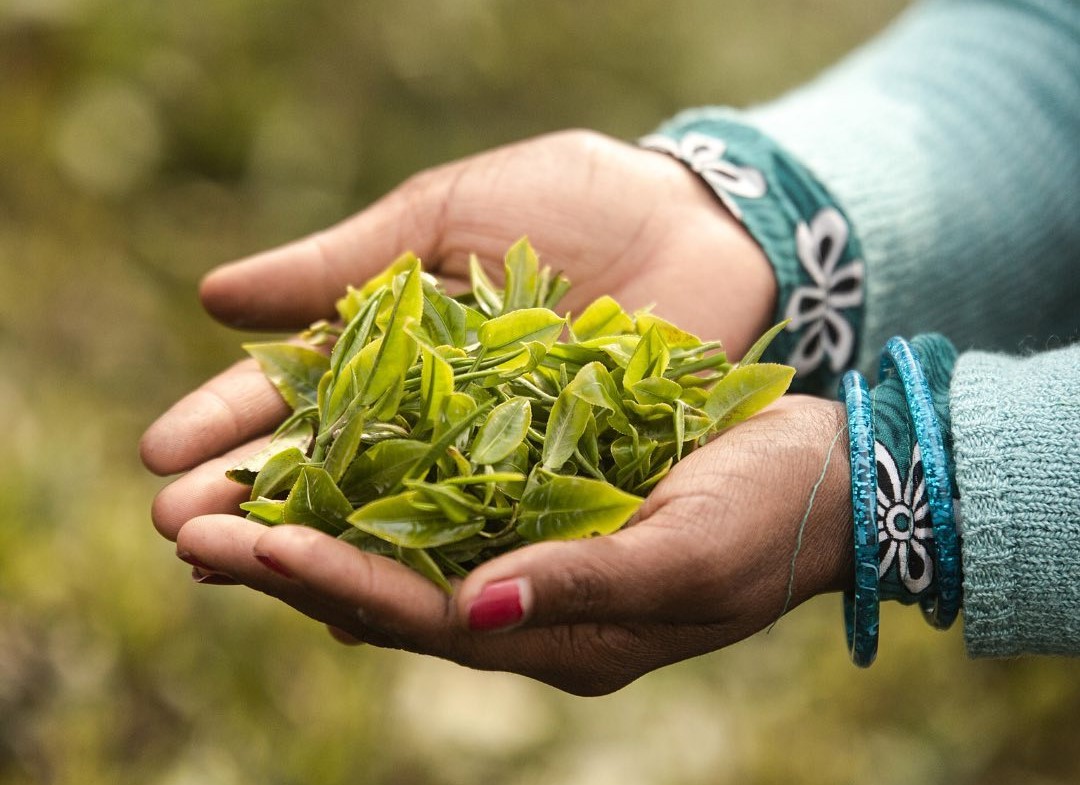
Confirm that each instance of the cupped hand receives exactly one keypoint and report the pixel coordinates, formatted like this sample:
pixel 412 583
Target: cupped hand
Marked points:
pixel 708 561
pixel 617 220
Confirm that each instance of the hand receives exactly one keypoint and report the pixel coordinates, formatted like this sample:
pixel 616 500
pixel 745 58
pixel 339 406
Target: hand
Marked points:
pixel 707 562
pixel 617 220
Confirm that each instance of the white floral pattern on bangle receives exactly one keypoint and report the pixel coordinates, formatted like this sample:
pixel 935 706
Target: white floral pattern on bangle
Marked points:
pixel 705 156
pixel 903 519
pixel 817 306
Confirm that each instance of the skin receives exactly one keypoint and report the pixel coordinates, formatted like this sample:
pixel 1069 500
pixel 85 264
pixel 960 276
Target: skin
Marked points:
pixel 707 560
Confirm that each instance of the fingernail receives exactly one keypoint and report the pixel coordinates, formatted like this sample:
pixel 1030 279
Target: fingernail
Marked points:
pixel 184 556
pixel 500 605
pixel 211 578
pixel 272 564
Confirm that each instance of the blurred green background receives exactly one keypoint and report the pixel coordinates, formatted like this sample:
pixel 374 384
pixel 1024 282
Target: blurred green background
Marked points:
pixel 141 143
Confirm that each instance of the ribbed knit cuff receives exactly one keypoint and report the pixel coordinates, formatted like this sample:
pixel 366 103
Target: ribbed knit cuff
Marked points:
pixel 1016 435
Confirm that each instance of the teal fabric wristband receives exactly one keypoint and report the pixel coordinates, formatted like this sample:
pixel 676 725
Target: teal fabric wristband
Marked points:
pixel 816 257
pixel 907 548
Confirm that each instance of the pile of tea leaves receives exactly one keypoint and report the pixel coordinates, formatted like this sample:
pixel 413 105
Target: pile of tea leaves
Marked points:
pixel 443 431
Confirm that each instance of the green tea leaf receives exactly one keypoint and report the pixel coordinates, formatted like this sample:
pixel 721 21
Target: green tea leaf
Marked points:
pixel 560 285
pixel 456 408
pixel 656 389
pixel 753 354
pixel 421 561
pixel 572 354
pixel 315 500
pixel 650 358
pixel 567 508
pixel 352 380
pixel 502 431
pixel 519 327
pixel 589 444
pixel 380 468
pixel 488 300
pixel 618 348
pixel 673 337
pixel 516 465
pixel 648 411
pixel 603 317
pixel 523 361
pixel 299 435
pixel 745 391
pixel 497 478
pixel 640 458
pixel 443 319
pixel 355 336
pixel 522 277
pixel 266 511
pixel 397 349
pixel 357 298
pixel 653 479
pixel 346 445
pixel 679 421
pixel 436 382
pixel 570 415
pixel 455 505
pixel 440 446
pixel 406 520
pixel 350 304
pixel 278 474
pixel 294 370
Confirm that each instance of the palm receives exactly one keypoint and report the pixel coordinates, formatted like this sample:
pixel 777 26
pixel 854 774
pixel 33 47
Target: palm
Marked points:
pixel 617 220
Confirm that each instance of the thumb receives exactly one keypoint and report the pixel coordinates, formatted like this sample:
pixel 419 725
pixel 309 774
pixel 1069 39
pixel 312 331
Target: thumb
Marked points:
pixel 293 285
pixel 646 573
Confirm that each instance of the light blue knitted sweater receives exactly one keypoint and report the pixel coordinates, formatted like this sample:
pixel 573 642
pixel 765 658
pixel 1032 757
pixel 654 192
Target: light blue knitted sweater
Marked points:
pixel 953 143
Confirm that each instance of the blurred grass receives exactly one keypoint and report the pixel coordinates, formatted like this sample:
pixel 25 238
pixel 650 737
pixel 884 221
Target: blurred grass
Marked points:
pixel 140 144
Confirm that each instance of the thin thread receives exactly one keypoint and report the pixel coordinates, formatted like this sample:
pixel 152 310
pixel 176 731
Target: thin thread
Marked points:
pixel 802 528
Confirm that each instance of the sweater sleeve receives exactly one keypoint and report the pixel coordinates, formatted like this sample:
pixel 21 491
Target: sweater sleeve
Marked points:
pixel 953 143
pixel 1016 435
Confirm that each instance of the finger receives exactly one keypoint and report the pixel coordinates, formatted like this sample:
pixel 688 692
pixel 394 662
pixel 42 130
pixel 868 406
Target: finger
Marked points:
pixel 373 592
pixel 376 590
pixel 233 407
pixel 589 659
pixel 224 545
pixel 343 636
pixel 293 285
pixel 202 491
pixel 651 572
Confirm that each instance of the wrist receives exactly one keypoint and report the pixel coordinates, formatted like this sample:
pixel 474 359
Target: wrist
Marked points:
pixel 814 254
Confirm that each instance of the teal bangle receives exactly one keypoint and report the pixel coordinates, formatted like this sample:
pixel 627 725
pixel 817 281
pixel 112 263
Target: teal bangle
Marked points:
pixel 862 604
pixel 942 609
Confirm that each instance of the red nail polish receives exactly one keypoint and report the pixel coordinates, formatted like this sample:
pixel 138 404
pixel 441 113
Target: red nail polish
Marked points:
pixel 499 606
pixel 184 556
pixel 272 564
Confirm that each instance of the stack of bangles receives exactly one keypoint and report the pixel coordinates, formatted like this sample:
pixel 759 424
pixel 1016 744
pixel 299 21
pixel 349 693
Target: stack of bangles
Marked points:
pixel 907 545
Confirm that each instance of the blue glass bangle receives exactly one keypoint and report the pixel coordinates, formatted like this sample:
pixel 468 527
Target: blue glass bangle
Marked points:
pixel 941 611
pixel 862 605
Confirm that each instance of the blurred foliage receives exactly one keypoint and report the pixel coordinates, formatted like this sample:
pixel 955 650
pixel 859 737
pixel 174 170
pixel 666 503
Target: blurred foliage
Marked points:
pixel 141 143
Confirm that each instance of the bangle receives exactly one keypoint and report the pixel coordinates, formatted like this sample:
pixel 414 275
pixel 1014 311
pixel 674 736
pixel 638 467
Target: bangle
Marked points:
pixel 941 610
pixel 861 604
